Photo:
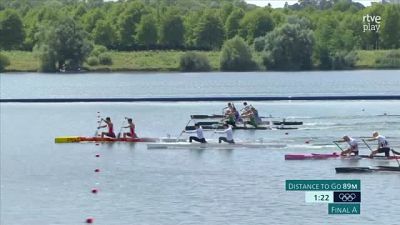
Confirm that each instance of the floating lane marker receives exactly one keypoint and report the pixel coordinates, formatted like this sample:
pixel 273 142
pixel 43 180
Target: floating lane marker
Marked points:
pixel 89 220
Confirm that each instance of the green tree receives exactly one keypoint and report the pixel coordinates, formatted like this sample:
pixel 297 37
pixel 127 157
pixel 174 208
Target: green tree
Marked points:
pixel 11 30
pixel 343 60
pixel 91 18
pixel 190 21
pixel 62 42
pixel 104 34
pixel 226 10
pixel 79 11
pixel 146 31
pixel 255 24
pixel 172 31
pixel 236 56
pixel 391 27
pixel 232 24
pixel 32 21
pixel 95 3
pixel 127 24
pixel 210 32
pixel 371 39
pixel 194 62
pixel 289 47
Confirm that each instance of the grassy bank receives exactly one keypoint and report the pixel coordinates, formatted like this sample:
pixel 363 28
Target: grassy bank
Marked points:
pixel 367 59
pixel 21 61
pixel 155 61
pixel 122 61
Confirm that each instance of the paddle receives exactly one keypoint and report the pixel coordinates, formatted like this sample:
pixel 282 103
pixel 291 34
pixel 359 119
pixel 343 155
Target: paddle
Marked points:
pixel 122 125
pixel 177 139
pixel 396 153
pixel 215 126
pixel 369 147
pixel 336 143
pixel 98 124
pixel 367 144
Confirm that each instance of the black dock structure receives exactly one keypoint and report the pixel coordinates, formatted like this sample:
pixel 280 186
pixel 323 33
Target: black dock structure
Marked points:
pixel 204 99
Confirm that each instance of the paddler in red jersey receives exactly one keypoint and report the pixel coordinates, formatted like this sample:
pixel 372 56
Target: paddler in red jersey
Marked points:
pixel 110 127
pixel 131 127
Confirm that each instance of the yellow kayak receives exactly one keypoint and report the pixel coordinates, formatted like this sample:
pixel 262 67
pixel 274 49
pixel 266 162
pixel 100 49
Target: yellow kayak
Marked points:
pixel 67 139
pixel 74 139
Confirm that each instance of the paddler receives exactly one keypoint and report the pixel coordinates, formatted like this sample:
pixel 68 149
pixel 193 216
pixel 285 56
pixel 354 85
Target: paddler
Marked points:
pixel 229 134
pixel 236 113
pixel 229 114
pixel 254 118
pixel 199 132
pixel 227 108
pixel 131 127
pixel 110 127
pixel 383 144
pixel 246 109
pixel 353 146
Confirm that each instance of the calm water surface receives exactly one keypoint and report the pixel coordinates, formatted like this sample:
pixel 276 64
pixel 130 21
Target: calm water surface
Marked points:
pixel 35 85
pixel 47 183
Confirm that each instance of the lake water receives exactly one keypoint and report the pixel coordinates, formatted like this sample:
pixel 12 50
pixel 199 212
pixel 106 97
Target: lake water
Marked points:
pixel 47 183
pixel 361 82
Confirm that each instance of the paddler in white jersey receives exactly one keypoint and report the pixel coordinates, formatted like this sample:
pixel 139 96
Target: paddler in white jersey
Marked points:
pixel 199 132
pixel 383 145
pixel 353 146
pixel 229 134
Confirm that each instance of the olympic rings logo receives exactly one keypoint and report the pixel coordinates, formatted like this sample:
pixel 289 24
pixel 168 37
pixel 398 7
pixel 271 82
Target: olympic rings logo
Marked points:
pixel 347 197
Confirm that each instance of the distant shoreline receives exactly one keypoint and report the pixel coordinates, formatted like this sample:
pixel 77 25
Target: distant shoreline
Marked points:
pixel 164 61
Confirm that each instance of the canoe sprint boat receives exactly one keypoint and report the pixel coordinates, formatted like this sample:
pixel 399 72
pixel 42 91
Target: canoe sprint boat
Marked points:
pixel 367 169
pixel 188 145
pixel 290 123
pixel 314 156
pixel 214 116
pixel 77 139
pixel 241 127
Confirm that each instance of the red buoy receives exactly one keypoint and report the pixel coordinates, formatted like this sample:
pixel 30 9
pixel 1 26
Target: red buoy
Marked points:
pixel 89 220
pixel 94 191
pixel 97 170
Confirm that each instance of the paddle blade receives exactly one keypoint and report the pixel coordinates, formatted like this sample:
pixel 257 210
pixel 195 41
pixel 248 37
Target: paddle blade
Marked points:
pixel 395 152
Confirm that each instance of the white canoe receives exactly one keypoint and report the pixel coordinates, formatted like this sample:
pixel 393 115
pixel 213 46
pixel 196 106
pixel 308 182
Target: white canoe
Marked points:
pixel 187 145
pixel 172 139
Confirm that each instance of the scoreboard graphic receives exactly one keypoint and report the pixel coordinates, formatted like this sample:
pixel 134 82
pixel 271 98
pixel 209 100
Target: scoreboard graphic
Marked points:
pixel 342 196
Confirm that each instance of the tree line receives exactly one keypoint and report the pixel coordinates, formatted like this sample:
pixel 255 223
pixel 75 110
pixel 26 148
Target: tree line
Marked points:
pixel 311 32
